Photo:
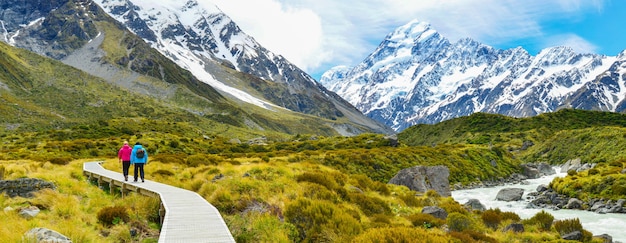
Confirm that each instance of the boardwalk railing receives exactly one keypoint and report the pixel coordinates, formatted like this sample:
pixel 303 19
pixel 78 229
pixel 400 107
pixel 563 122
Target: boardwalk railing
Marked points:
pixel 185 215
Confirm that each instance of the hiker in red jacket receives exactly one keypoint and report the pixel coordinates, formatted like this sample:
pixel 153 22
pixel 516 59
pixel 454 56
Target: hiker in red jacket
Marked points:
pixel 124 156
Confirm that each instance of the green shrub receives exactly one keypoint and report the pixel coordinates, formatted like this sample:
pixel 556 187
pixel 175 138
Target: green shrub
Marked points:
pixel 113 215
pixel 400 234
pixel 510 216
pixel 492 218
pixel 317 178
pixel 425 220
pixel 567 226
pixel 572 172
pixel 162 172
pixel 60 160
pixel 411 200
pixel 543 219
pixel 169 158
pixel 321 221
pixel 472 236
pixel 459 222
pixel 316 191
pixel 381 188
pixel 370 205
pixel 196 160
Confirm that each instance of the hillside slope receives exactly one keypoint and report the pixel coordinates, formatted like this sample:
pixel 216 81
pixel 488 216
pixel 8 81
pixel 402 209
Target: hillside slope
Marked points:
pixel 80 34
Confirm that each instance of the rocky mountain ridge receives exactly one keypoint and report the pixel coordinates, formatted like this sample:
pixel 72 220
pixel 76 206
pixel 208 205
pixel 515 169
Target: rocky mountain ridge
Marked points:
pixel 187 45
pixel 417 76
pixel 193 35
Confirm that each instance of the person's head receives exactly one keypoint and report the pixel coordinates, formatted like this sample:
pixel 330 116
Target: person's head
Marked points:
pixel 137 143
pixel 125 142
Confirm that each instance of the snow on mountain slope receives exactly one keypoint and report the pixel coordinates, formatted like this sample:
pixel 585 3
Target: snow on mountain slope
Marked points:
pixel 417 76
pixel 174 19
pixel 201 37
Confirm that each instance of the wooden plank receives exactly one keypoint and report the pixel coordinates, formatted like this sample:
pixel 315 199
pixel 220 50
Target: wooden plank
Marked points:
pixel 185 215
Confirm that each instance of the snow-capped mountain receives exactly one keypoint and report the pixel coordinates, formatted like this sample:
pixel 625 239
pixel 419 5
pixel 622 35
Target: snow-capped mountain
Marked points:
pixel 417 76
pixel 192 34
pixel 211 49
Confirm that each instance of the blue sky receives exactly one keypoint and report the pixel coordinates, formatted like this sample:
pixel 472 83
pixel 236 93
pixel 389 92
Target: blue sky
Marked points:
pixel 319 34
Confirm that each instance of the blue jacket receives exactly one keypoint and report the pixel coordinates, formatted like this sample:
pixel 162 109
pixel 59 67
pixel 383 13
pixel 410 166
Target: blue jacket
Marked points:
pixel 133 155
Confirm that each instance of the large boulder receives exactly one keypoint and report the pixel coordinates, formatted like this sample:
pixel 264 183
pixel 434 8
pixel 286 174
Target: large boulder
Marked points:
pixel 530 171
pixel 574 203
pixel 510 194
pixel 546 169
pixel 536 170
pixel 474 204
pixel 575 235
pixel 514 227
pixel 47 235
pixel 437 212
pixel 424 178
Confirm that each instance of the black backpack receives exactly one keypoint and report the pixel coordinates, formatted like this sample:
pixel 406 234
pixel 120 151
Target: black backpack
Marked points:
pixel 140 153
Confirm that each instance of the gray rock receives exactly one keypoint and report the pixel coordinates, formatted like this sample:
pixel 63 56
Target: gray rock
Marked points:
pixel 24 187
pixel 29 212
pixel 424 178
pixel 542 188
pixel 510 194
pixel 572 164
pixel 474 204
pixel 546 169
pixel 605 238
pixel 47 235
pixel 530 172
pixel 596 206
pixel 574 203
pixel 615 209
pixel 515 227
pixel 576 235
pixel 435 211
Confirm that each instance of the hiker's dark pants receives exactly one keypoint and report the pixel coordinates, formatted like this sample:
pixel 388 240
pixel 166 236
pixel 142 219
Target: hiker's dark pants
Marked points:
pixel 139 168
pixel 125 166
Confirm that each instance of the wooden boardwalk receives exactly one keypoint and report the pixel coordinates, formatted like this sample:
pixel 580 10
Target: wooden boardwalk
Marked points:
pixel 185 215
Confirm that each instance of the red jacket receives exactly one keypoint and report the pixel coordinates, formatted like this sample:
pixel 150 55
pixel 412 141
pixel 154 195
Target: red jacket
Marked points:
pixel 124 153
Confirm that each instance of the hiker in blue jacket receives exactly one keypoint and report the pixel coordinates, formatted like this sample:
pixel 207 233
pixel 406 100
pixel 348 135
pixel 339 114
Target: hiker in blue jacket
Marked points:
pixel 139 157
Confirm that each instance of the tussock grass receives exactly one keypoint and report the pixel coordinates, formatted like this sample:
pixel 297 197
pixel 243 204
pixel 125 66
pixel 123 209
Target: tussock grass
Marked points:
pixel 74 205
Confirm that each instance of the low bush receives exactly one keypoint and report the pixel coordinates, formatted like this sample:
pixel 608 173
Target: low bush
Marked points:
pixel 472 236
pixel 401 234
pixel 370 205
pixel 112 215
pixel 60 160
pixel 162 172
pixel 492 218
pixel 425 220
pixel 317 178
pixel 567 226
pixel 459 222
pixel 543 219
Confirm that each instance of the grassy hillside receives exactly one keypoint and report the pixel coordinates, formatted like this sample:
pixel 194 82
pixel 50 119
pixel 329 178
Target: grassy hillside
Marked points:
pixel 289 193
pixel 592 136
pixel 484 128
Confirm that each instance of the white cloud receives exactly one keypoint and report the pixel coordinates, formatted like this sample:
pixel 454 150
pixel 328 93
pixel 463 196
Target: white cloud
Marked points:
pixel 295 33
pixel 319 34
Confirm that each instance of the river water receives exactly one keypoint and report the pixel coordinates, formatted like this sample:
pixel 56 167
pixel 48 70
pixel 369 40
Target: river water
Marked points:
pixel 612 224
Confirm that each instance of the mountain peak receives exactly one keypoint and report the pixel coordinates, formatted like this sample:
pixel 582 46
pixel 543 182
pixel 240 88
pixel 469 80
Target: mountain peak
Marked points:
pixel 413 30
pixel 416 76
